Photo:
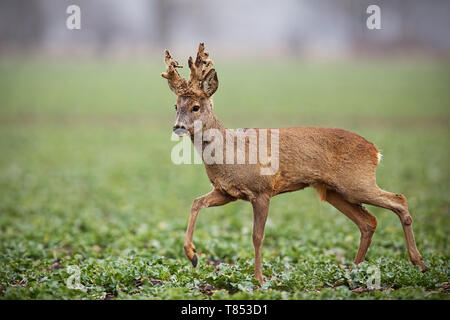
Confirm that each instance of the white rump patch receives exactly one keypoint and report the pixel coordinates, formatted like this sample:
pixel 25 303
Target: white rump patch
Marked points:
pixel 380 156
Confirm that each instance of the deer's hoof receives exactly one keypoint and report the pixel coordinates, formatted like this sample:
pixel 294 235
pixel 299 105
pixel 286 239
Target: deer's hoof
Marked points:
pixel 421 264
pixel 194 260
pixel 260 280
pixel 424 267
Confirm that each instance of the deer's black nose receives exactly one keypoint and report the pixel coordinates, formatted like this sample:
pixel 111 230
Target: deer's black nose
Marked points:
pixel 180 130
pixel 176 127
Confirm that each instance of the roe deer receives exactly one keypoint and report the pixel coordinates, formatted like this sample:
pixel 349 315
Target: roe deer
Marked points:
pixel 339 164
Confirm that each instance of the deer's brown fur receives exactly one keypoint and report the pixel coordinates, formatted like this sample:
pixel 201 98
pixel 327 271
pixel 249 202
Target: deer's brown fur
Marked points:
pixel 339 164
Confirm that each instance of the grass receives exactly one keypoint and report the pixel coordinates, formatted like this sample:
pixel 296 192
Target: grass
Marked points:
pixel 86 181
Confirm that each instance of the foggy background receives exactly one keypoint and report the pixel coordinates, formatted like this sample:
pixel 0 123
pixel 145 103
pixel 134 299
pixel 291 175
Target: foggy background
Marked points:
pixel 239 28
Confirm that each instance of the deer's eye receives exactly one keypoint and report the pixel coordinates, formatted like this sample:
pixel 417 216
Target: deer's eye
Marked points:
pixel 195 108
pixel 175 107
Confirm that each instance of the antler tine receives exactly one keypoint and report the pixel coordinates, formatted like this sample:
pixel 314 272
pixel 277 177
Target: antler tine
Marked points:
pixel 176 82
pixel 201 66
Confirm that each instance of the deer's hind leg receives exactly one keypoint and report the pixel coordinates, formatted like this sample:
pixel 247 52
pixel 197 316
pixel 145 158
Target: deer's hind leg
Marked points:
pixel 397 204
pixel 365 221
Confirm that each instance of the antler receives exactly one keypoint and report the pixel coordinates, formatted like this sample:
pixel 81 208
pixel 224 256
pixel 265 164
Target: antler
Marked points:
pixel 200 68
pixel 202 80
pixel 176 83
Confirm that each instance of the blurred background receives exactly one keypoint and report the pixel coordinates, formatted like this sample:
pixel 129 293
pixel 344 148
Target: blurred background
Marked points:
pixel 248 28
pixel 85 127
pixel 260 43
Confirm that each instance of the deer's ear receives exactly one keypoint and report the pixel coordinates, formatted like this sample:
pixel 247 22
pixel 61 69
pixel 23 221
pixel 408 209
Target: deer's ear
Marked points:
pixel 210 83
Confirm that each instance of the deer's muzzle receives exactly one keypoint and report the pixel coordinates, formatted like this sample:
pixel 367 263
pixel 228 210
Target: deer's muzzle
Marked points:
pixel 180 130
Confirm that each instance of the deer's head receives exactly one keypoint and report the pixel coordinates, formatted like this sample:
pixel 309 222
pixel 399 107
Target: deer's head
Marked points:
pixel 194 96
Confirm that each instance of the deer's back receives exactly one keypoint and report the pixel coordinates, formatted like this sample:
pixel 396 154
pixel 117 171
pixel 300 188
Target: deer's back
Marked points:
pixel 332 157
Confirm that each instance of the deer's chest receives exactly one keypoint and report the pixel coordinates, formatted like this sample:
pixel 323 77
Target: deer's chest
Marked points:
pixel 240 182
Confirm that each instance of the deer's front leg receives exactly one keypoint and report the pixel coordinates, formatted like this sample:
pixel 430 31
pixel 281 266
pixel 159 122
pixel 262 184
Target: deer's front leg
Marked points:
pixel 212 199
pixel 260 212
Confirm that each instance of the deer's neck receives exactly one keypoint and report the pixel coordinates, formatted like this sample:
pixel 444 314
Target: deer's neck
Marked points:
pixel 212 125
pixel 211 131
pixel 215 124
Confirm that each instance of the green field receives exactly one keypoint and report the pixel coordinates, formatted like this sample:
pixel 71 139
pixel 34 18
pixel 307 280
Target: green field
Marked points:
pixel 86 182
